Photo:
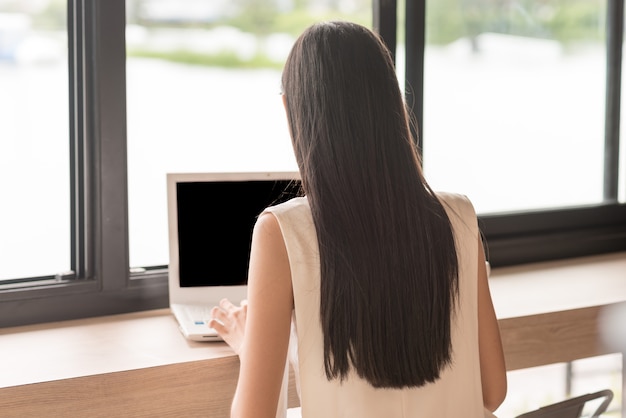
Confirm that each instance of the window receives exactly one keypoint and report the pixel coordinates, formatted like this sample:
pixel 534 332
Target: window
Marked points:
pixel 134 100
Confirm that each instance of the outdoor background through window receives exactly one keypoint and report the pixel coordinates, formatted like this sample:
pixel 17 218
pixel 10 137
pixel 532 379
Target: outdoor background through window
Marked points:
pixel 34 139
pixel 515 101
pixel 203 81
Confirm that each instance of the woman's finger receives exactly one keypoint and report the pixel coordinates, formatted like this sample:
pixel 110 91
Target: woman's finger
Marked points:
pixel 226 305
pixel 218 326
pixel 217 312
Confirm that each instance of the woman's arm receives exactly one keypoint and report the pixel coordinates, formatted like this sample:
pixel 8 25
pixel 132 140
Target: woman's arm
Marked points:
pixel 492 365
pixel 262 348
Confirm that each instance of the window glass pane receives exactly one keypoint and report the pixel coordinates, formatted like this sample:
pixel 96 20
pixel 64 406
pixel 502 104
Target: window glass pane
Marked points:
pixel 514 101
pixel 34 139
pixel 203 81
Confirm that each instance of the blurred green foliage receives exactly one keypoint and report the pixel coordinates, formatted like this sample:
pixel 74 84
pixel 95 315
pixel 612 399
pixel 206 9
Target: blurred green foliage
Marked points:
pixel 566 21
pixel 226 59
pixel 258 17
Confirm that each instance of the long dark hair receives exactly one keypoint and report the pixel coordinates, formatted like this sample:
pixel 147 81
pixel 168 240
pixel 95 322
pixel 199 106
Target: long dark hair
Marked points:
pixel 389 270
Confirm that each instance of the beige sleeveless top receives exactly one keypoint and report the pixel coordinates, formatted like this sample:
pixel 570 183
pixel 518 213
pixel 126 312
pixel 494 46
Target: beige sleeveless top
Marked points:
pixel 456 394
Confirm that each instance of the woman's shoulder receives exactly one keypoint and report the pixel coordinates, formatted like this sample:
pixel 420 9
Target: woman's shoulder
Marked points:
pixel 293 204
pixel 452 198
pixel 293 216
pixel 459 209
pixel 291 210
pixel 455 201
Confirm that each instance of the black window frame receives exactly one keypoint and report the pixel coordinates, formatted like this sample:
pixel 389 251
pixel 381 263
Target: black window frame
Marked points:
pixel 101 282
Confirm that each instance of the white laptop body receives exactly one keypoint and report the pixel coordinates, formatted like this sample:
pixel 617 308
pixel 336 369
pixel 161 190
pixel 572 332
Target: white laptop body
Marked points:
pixel 210 221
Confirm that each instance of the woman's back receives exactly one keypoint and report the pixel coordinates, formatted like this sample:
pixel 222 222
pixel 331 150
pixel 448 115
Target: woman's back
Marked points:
pixel 458 391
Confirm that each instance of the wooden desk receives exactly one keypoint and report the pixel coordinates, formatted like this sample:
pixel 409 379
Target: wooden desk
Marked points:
pixel 550 312
pixel 138 364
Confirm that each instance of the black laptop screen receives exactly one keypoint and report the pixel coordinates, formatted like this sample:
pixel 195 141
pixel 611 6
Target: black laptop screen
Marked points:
pixel 215 221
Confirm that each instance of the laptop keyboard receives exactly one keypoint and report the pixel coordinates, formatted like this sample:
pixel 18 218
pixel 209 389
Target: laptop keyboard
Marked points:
pixel 198 314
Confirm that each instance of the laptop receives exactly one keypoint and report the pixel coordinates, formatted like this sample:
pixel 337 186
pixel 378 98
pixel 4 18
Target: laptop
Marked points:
pixel 210 221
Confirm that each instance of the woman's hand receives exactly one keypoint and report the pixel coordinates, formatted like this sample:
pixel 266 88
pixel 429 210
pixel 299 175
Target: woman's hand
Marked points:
pixel 230 322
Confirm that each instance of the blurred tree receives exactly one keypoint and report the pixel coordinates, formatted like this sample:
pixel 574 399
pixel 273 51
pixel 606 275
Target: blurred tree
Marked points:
pixel 256 16
pixel 563 20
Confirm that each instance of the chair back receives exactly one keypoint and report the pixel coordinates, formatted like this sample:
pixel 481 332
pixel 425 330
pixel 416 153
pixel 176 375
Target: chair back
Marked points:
pixel 572 408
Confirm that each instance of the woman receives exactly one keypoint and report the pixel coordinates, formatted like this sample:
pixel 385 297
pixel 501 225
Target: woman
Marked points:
pixel 386 279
